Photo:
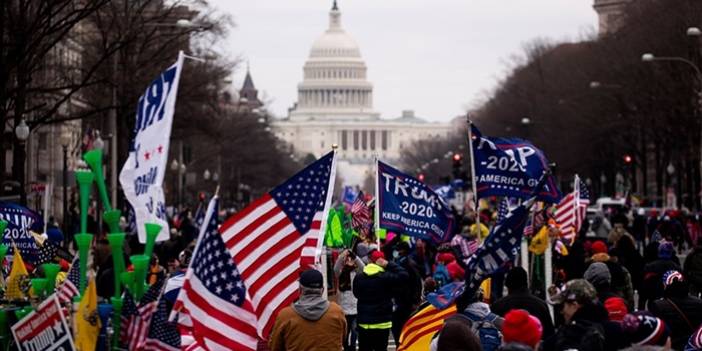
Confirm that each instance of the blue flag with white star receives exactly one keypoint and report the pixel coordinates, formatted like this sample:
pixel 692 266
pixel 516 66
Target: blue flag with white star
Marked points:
pixel 408 206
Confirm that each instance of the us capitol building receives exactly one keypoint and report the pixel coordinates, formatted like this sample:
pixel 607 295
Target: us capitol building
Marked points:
pixel 335 106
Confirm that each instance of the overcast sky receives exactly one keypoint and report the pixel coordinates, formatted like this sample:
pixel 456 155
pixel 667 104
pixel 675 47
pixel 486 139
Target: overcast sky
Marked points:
pixel 437 57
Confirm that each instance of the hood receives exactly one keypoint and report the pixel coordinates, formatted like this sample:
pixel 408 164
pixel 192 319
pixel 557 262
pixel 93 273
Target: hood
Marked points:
pixel 373 269
pixel 311 306
pixel 478 309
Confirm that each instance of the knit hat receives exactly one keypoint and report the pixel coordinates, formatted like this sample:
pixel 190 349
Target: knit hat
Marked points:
pixel 598 247
pixel 666 250
pixel 455 270
pixel 312 278
pixel 695 342
pixel 446 257
pixel 671 277
pixel 645 329
pixel 598 274
pixel 376 255
pixel 576 290
pixel 519 326
pixel 616 308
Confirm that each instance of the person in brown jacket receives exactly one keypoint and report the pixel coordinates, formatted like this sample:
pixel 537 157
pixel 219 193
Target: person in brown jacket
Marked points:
pixel 311 322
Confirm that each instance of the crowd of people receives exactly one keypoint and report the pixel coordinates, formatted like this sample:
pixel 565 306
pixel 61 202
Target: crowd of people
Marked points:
pixel 624 289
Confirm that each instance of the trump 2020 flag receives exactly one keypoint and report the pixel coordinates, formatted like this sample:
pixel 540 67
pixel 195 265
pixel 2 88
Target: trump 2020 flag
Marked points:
pixel 142 174
pixel 510 167
pixel 408 206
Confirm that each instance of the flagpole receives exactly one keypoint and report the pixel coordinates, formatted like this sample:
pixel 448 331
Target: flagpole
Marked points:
pixel 376 209
pixel 321 250
pixel 472 174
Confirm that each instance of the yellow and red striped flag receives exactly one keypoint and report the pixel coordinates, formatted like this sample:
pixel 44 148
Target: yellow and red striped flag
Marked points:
pixel 420 328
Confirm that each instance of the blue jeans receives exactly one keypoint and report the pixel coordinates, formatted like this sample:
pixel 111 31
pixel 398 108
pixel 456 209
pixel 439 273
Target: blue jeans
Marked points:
pixel 351 334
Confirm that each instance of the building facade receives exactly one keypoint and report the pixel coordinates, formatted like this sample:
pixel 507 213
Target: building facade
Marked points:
pixel 335 106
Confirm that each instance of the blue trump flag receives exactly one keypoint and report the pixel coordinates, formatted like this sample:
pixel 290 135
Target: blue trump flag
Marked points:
pixel 408 206
pixel 20 220
pixel 510 167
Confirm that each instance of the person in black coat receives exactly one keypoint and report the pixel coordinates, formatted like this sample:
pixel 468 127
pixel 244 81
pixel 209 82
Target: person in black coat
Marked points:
pixel 408 295
pixel 586 321
pixel 374 289
pixel 681 312
pixel 652 288
pixel 519 297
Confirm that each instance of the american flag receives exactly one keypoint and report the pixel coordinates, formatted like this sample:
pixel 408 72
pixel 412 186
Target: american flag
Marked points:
pixel 214 310
pixel 280 234
pixel 70 285
pixel 570 212
pixel 360 215
pixel 500 247
pixel 199 217
pixel 130 313
pixel 163 335
pixel 136 323
pixel 502 209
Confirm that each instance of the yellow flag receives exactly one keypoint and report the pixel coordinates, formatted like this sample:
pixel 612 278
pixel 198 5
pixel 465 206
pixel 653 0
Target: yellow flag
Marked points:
pixel 18 280
pixel 539 242
pixel 87 319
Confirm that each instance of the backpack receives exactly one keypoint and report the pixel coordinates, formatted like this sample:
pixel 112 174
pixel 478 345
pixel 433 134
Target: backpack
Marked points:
pixel 441 275
pixel 490 336
pixel 484 328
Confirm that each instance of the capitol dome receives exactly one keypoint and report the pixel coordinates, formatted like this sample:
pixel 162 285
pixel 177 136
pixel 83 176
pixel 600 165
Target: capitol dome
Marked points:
pixel 335 42
pixel 334 84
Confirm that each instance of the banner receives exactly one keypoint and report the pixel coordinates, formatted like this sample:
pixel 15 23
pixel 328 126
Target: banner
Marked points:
pixel 510 167
pixel 142 174
pixel 20 220
pixel 410 207
pixel 44 329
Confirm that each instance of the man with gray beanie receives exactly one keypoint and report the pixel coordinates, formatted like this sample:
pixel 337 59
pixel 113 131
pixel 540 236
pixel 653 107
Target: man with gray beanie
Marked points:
pixel 599 276
pixel 311 322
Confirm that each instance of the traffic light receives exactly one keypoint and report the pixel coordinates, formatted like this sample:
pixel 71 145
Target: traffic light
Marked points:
pixel 421 177
pixel 457 166
pixel 627 159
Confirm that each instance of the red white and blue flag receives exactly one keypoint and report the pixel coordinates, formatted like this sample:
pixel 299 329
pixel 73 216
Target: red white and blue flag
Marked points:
pixel 215 312
pixel 69 287
pixel 570 212
pixel 278 236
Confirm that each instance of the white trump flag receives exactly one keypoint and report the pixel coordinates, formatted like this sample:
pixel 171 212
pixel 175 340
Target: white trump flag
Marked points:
pixel 142 174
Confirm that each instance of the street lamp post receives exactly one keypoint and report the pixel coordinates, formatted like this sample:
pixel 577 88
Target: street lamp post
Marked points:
pixel 649 57
pixel 65 141
pixel 22 133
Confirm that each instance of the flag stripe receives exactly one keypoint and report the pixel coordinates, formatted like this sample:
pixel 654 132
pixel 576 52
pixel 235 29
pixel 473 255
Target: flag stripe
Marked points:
pixel 241 219
pixel 258 227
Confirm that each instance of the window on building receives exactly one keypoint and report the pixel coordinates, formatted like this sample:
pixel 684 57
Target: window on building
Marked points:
pixel 372 140
pixel 355 140
pixel 43 144
pixel 344 140
pixel 364 140
pixel 384 139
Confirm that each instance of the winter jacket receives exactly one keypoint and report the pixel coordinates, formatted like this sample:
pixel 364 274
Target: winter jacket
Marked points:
pixel 679 328
pixel 588 330
pixel 310 315
pixel 525 300
pixel 409 294
pixel 692 269
pixel 374 289
pixel 346 298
